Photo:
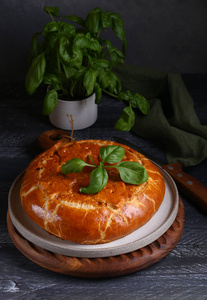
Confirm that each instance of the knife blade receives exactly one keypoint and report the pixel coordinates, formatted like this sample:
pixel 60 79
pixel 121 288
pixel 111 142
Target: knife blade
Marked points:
pixel 186 183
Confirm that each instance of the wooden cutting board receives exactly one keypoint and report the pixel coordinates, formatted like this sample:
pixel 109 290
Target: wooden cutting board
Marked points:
pixel 97 267
pixel 113 266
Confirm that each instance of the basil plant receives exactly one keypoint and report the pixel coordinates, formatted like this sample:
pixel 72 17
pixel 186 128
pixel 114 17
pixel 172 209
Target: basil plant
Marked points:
pixel 73 60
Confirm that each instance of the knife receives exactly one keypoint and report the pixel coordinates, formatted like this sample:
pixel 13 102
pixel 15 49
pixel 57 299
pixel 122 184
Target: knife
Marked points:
pixel 185 183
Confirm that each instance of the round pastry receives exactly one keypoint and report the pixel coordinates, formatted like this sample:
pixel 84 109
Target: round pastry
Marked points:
pixel 53 200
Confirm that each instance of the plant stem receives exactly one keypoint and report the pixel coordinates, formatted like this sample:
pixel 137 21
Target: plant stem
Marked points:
pixel 110 94
pixel 58 63
pixel 65 92
pixel 72 86
pixel 92 161
pixel 52 17
pixel 98 33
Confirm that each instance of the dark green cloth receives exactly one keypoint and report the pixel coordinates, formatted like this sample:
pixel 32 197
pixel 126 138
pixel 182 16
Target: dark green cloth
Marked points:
pixel 172 119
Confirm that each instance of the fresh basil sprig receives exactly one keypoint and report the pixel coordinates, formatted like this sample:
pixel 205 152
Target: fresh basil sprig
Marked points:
pixel 127 119
pixel 130 172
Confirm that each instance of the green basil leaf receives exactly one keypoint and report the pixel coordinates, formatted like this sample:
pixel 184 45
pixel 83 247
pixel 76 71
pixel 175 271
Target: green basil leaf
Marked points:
pixel 89 81
pixel 132 172
pixel 127 119
pixel 116 58
pixel 116 55
pixel 112 154
pixel 51 79
pixel 50 102
pixel 69 71
pixel 106 19
pixel 108 45
pixel 35 48
pixel 35 74
pixel 118 28
pixel 100 63
pixel 98 92
pixel 64 52
pixel 76 59
pixel 80 74
pixel 51 44
pixel 114 21
pixel 75 165
pixel 54 11
pixel 113 49
pixel 76 20
pixel 88 35
pixel 50 27
pixel 103 79
pixel 93 21
pixel 139 101
pixel 99 179
pixel 114 83
pixel 67 29
pixel 95 45
pixel 125 95
pixel 80 41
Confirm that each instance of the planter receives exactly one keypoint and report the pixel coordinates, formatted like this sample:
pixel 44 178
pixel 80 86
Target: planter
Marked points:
pixel 84 113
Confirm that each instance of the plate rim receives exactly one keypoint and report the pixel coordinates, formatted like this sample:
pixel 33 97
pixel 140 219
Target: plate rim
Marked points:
pixel 105 251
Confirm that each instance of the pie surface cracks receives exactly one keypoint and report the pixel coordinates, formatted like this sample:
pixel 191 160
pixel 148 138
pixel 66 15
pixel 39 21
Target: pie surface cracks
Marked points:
pixel 52 199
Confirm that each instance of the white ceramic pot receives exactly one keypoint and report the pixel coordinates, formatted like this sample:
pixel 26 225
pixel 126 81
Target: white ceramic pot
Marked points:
pixel 84 113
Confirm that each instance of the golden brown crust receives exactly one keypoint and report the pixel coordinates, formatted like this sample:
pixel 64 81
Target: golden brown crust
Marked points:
pixel 53 201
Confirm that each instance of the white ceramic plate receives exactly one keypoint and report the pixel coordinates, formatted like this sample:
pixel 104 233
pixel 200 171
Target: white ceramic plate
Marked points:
pixel 143 236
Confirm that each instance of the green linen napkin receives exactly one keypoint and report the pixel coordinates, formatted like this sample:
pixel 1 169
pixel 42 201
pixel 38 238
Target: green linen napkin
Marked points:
pixel 172 119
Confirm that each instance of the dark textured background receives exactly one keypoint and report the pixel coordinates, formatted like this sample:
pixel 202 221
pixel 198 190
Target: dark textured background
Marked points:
pixel 167 35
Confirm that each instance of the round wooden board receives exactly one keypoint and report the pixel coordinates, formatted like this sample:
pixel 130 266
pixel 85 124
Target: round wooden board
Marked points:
pixel 113 266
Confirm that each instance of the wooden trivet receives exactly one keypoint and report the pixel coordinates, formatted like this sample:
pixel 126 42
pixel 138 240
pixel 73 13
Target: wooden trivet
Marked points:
pixel 113 266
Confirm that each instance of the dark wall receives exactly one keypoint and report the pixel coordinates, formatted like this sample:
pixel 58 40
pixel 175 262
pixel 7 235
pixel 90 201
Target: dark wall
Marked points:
pixel 168 35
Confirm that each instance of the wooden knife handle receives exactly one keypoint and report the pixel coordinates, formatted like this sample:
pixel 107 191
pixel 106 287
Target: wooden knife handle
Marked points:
pixel 188 184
